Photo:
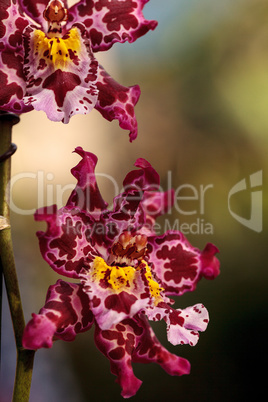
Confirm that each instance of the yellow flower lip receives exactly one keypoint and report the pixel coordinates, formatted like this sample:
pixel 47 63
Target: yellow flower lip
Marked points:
pixel 118 278
pixel 115 277
pixel 57 51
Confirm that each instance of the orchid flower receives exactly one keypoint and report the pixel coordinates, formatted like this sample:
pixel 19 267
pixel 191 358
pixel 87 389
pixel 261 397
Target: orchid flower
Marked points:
pixel 47 57
pixel 125 274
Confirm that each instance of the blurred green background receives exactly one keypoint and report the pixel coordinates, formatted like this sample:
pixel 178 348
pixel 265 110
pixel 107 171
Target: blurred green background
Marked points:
pixel 203 116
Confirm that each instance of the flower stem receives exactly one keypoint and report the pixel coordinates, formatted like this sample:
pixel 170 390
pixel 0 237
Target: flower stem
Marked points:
pixel 25 358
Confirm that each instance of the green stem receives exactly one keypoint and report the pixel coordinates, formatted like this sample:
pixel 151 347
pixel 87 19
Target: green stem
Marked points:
pixel 24 357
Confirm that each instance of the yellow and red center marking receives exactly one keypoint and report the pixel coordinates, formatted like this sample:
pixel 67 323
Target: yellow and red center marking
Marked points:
pixel 57 51
pixel 118 278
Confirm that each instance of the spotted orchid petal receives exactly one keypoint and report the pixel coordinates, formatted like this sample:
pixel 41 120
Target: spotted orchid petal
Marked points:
pixel 133 340
pixel 12 24
pixel 64 245
pixel 65 314
pixel 182 325
pixel 178 265
pixel 117 344
pixel 195 319
pixel 61 73
pixel 110 21
pixel 117 102
pixel 12 83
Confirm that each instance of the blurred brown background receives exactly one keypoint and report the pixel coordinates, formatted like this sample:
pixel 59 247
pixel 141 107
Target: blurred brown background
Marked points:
pixel 202 115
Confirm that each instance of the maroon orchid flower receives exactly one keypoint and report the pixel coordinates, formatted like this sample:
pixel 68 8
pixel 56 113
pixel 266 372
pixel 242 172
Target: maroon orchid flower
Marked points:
pixel 125 274
pixel 47 57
